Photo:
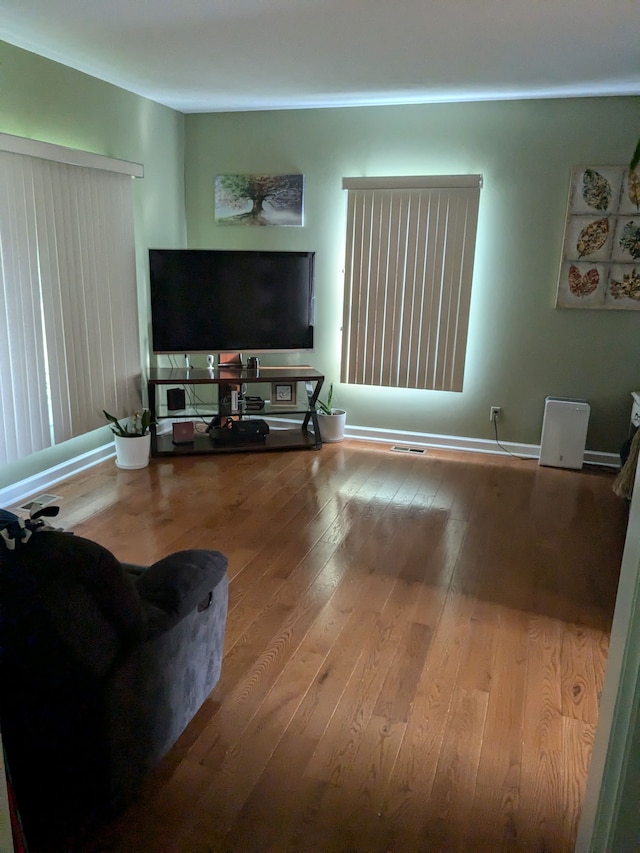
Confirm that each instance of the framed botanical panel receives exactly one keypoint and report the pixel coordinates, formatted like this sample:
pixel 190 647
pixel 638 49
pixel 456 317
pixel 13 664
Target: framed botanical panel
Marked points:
pixel 600 265
pixel 284 394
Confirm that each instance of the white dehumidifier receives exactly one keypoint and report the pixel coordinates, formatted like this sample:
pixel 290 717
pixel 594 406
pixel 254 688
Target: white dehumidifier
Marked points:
pixel 564 432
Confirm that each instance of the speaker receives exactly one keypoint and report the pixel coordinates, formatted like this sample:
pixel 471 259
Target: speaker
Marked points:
pixel 175 399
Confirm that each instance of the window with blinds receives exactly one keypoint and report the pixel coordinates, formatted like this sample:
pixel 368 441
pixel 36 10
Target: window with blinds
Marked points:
pixel 408 271
pixel 69 341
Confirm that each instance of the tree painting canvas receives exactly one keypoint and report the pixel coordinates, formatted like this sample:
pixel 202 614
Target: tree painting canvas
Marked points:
pixel 259 199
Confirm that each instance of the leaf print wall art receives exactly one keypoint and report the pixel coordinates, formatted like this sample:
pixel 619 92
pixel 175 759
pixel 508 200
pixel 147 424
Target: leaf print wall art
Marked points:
pixel 600 265
pixel 633 189
pixel 596 190
pixel 582 284
pixel 592 237
pixel 624 283
pixel 629 239
pixel 588 238
pixel 630 195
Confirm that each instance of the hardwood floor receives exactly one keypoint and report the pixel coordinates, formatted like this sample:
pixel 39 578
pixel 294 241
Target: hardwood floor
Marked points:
pixel 414 650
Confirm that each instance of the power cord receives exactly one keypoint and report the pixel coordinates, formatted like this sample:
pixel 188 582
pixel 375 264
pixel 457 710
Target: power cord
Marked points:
pixel 502 447
pixel 194 401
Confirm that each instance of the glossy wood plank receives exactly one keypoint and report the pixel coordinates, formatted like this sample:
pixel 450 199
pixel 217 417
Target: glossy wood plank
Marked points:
pixel 414 648
pixel 497 801
pixel 541 785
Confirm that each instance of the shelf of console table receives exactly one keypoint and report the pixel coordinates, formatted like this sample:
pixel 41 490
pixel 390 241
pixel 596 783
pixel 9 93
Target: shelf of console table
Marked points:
pixel 295 437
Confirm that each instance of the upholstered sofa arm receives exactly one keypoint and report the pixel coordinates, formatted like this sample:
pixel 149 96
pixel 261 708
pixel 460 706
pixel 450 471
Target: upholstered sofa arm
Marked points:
pixel 179 583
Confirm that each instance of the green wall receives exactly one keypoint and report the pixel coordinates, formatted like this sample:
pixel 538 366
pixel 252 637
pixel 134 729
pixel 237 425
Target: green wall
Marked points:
pixel 521 349
pixel 47 101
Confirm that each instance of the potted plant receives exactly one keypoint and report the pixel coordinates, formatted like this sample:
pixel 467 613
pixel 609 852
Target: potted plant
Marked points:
pixel 330 419
pixel 132 439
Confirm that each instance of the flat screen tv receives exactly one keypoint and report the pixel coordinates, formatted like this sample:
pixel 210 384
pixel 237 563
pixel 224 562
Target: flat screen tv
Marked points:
pixel 210 300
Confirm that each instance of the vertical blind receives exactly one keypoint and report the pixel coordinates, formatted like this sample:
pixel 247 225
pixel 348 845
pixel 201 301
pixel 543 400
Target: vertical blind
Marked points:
pixel 69 344
pixel 408 272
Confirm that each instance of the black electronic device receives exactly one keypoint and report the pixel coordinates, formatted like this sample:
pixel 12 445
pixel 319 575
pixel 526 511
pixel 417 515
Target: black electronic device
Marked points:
pixel 206 300
pixel 253 403
pixel 176 399
pixel 239 432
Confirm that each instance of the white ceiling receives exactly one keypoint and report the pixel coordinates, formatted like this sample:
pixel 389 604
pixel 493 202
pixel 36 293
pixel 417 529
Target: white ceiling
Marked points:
pixel 212 55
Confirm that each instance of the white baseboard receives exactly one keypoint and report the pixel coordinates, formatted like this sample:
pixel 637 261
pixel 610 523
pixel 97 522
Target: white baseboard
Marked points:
pixel 477 445
pixel 443 442
pixel 46 480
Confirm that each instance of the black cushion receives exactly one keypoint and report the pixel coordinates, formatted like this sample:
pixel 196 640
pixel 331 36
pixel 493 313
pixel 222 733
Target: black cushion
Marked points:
pixel 181 581
pixel 89 601
pixel 97 681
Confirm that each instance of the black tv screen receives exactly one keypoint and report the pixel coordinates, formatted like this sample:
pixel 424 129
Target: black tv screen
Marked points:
pixel 209 300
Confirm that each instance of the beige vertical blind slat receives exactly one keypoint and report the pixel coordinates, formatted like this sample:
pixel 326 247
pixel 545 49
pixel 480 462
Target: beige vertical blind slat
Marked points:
pixel 75 257
pixel 90 297
pixel 408 275
pixel 391 308
pixel 24 416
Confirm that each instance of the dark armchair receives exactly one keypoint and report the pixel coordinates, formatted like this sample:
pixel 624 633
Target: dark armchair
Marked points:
pixel 102 666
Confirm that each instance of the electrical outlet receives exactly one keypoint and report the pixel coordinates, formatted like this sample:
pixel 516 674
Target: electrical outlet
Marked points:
pixel 495 414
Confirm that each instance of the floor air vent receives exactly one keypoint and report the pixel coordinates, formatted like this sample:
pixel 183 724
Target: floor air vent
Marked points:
pixel 40 501
pixel 399 449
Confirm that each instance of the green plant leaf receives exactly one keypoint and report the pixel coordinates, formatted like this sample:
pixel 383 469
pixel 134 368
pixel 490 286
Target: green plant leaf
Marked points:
pixel 326 407
pixel 140 426
pixel 636 157
pixel 117 428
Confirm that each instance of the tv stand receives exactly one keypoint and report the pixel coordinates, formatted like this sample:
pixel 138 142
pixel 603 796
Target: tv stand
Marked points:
pixel 299 429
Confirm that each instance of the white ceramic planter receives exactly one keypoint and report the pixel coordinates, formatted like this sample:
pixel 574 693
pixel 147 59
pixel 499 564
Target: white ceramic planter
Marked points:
pixel 132 452
pixel 332 426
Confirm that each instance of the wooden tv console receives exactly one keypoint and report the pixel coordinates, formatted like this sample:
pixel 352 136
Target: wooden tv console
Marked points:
pixel 227 383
